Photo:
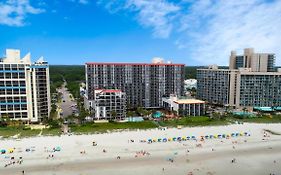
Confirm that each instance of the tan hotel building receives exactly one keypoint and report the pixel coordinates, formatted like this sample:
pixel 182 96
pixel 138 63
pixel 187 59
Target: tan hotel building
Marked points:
pixel 250 81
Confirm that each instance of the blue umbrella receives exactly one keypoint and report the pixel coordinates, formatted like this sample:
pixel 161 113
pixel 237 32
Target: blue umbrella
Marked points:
pixel 165 140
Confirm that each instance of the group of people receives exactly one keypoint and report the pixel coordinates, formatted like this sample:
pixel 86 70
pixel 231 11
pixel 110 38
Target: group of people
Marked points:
pixel 13 161
pixel 142 153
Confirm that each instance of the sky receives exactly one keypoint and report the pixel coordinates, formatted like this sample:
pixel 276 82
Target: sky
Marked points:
pixel 193 32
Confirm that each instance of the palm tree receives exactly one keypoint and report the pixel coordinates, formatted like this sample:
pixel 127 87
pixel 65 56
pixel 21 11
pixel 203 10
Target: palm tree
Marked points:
pixel 114 114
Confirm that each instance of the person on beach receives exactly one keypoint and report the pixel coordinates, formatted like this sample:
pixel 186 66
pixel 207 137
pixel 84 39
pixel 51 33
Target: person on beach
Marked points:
pixel 23 172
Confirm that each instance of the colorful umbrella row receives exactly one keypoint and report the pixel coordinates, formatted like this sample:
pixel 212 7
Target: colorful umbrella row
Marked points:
pixel 201 137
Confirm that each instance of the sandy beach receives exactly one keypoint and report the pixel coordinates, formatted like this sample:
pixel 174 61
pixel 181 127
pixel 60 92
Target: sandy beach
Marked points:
pixel 257 153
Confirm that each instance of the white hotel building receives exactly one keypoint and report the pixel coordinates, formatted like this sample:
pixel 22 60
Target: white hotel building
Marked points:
pixel 24 88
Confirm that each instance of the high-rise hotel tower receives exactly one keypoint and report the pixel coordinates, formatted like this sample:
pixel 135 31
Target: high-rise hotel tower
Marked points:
pixel 252 80
pixel 144 84
pixel 24 87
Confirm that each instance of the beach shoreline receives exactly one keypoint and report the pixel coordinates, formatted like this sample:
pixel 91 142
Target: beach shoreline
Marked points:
pixel 253 153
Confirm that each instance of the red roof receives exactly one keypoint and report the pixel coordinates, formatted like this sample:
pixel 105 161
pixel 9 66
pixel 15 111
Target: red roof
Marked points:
pixel 135 64
pixel 109 90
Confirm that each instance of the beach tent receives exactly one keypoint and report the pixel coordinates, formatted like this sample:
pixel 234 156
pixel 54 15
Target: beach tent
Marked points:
pixel 3 151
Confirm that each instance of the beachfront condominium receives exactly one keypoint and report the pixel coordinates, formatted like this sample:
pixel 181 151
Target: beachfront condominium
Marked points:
pixel 144 84
pixel 251 81
pixel 109 104
pixel 258 62
pixel 24 87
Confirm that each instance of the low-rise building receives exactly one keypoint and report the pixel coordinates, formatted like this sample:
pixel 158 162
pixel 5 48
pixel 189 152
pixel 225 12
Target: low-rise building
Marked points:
pixel 109 104
pixel 184 106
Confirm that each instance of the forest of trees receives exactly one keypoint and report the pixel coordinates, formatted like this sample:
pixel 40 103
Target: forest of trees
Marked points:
pixel 73 74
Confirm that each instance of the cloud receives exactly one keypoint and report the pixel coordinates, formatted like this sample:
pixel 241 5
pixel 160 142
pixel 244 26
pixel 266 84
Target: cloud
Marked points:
pixel 156 14
pixel 211 29
pixel 14 12
pixel 84 2
pixel 207 30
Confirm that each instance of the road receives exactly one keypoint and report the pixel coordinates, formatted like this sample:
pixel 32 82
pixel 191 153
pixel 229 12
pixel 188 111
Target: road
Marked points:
pixel 66 102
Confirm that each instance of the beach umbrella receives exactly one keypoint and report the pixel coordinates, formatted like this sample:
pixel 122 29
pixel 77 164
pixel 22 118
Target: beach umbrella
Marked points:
pixel 193 137
pixel 149 140
pixel 219 136
pixel 227 135
pixel 170 139
pixel 245 133
pixel 206 137
pixel 233 135
pixel 11 150
pixel 165 140
pixel 179 138
pixel 154 140
pixel 58 148
pixel 211 136
pixel 183 138
pixel 237 134
pixel 159 140
pixel 3 151
pixel 174 139
pixel 241 134
pixel 224 136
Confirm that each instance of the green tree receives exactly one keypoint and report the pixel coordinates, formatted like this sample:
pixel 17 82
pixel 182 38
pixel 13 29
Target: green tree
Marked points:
pixel 113 114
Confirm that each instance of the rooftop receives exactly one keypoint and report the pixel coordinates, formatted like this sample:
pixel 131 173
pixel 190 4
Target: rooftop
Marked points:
pixel 107 90
pixel 136 64
pixel 188 101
